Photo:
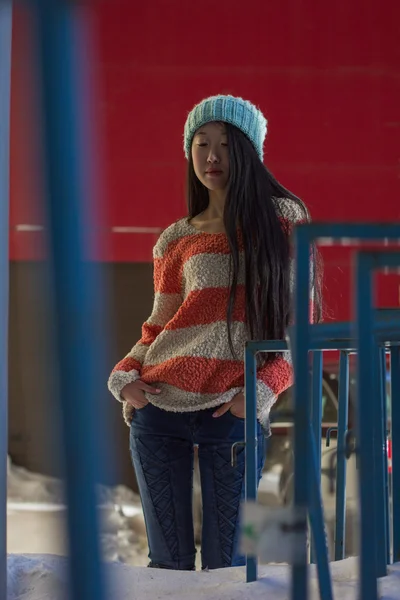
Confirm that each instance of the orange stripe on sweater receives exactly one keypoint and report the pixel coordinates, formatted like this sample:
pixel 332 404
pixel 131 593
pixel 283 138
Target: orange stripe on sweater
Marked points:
pixel 167 275
pixel 149 333
pixel 127 364
pixel 277 375
pixel 199 375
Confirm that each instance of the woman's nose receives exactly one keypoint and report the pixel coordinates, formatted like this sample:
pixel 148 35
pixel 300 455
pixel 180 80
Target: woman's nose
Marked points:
pixel 213 157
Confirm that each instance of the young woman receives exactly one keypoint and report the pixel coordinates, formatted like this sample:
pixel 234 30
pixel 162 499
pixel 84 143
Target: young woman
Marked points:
pixel 221 276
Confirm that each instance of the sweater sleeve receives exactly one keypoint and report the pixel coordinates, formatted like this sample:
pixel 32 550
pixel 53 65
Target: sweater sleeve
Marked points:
pixel 276 376
pixel 167 300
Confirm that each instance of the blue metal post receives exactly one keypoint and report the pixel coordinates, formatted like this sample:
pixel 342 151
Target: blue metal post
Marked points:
pixel 395 396
pixel 300 345
pixel 251 444
pixel 365 417
pixel 343 417
pixel 316 416
pixel 5 93
pixel 382 382
pixel 377 468
pixel 318 524
pixel 78 341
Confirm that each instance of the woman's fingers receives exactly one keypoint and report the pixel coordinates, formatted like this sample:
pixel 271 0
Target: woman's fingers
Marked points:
pixel 136 401
pixel 222 409
pixel 147 388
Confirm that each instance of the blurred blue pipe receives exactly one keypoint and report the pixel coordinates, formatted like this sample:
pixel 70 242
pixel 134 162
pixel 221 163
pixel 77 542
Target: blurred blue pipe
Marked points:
pixel 78 340
pixel 5 93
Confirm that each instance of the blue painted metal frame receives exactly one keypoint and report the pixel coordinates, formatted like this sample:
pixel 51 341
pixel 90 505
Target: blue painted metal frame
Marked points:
pixel 343 416
pixel 300 345
pixel 317 520
pixel 5 93
pixel 373 530
pixel 316 416
pixel 251 444
pixel 304 235
pixel 382 383
pixel 75 298
pixel 395 413
pixel 314 458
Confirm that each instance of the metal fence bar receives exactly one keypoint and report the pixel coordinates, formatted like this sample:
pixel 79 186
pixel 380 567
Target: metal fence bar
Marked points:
pixel 348 234
pixel 5 93
pixel 343 330
pixel 377 467
pixel 395 428
pixel 77 339
pixel 251 444
pixel 300 347
pixel 343 416
pixel 365 434
pixel 382 383
pixel 316 416
pixel 317 523
pixel 334 344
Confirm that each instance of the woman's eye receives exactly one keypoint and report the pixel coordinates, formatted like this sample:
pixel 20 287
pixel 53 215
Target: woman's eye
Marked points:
pixel 224 143
pixel 202 144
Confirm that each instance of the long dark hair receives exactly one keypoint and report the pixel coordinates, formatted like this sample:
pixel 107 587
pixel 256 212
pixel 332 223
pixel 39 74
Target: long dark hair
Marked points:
pixel 252 205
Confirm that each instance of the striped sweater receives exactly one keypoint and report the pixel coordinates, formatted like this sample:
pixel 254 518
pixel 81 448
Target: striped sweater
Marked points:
pixel 184 348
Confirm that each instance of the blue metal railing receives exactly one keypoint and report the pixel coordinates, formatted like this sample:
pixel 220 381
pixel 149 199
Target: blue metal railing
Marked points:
pixel 343 419
pixel 78 336
pixel 366 335
pixel 5 93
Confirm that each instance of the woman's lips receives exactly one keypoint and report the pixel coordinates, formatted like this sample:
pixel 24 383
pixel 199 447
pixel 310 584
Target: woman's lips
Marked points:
pixel 213 173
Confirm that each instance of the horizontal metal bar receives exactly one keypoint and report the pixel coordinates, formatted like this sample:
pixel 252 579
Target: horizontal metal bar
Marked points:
pixel 267 346
pixel 354 232
pixel 344 330
pixel 281 346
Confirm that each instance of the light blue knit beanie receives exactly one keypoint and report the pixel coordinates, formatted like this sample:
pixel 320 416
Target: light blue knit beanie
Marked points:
pixel 228 109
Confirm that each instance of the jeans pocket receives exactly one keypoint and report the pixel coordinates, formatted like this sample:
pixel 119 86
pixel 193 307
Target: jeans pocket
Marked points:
pixel 236 416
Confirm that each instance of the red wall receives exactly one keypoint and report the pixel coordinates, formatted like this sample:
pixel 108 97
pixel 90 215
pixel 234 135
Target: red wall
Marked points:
pixel 327 76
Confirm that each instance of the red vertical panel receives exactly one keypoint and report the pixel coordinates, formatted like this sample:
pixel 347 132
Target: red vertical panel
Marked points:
pixel 26 207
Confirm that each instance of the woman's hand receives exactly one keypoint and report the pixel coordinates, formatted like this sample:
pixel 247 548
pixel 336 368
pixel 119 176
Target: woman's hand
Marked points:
pixel 133 393
pixel 236 406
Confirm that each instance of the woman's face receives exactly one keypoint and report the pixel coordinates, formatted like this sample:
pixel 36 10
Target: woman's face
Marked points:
pixel 210 156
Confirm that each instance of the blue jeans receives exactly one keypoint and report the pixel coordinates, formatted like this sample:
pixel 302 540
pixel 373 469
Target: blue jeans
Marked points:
pixel 162 449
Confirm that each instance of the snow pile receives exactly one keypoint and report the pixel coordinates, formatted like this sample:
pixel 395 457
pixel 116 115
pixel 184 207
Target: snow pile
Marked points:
pixel 45 578
pixel 32 488
pixel 36 515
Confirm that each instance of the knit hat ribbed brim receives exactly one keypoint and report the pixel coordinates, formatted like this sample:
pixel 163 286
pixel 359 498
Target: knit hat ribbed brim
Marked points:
pixel 227 109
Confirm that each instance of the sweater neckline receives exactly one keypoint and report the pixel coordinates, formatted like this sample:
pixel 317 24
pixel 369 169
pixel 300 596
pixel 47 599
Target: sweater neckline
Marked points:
pixel 200 232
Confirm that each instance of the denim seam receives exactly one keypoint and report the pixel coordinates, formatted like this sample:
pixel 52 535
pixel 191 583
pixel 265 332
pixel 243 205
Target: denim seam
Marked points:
pixel 155 511
pixel 216 504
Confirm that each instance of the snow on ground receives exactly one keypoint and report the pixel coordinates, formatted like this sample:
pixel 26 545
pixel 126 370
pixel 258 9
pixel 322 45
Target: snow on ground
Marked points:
pixel 36 516
pixel 37 548
pixel 44 578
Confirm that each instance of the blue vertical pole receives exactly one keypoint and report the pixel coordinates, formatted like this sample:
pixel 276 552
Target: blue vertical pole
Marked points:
pixel 377 468
pixel 300 346
pixel 382 381
pixel 318 525
pixel 251 444
pixel 365 417
pixel 78 341
pixel 5 93
pixel 340 526
pixel 395 429
pixel 316 416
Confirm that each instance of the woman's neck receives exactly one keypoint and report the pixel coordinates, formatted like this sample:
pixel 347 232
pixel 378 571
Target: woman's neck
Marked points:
pixel 216 205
